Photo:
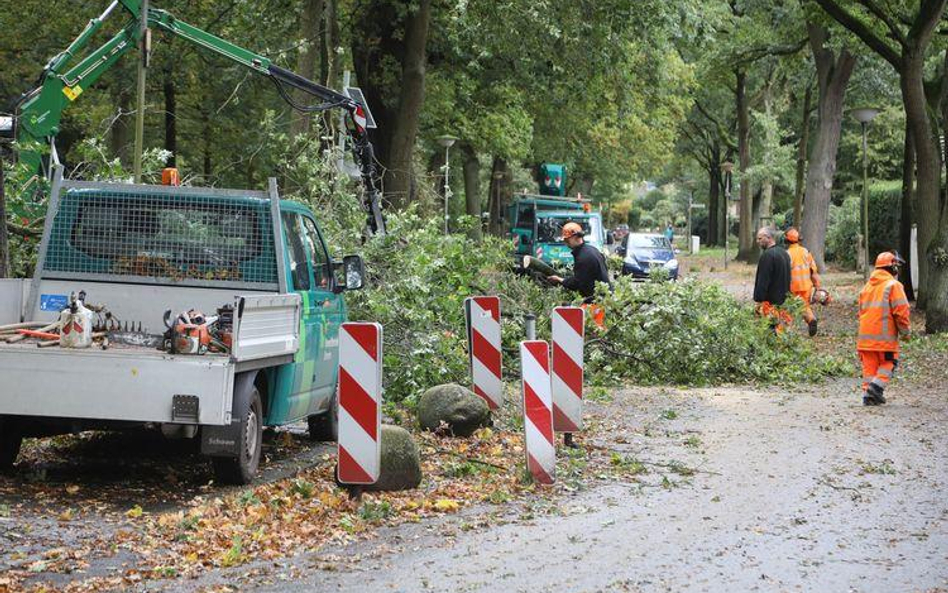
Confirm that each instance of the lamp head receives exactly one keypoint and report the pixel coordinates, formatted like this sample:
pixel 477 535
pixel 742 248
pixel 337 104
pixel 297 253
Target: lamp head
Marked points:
pixel 864 115
pixel 446 141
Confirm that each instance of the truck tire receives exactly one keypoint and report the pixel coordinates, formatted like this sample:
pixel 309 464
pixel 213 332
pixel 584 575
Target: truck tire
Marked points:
pixel 242 468
pixel 10 440
pixel 325 426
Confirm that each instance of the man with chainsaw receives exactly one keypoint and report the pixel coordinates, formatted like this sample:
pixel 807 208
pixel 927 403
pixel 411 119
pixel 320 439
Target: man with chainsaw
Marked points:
pixel 883 319
pixel 589 267
pixel 804 276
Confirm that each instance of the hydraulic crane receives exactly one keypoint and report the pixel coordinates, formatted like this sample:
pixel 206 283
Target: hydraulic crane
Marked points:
pixel 62 82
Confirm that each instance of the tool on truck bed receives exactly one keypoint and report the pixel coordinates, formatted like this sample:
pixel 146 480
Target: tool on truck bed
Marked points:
pixel 39 111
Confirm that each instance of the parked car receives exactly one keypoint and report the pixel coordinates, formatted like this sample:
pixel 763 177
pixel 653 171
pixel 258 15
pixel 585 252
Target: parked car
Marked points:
pixel 644 251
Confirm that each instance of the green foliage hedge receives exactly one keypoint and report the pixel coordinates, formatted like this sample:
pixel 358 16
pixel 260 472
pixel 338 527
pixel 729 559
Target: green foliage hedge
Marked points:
pixel 885 214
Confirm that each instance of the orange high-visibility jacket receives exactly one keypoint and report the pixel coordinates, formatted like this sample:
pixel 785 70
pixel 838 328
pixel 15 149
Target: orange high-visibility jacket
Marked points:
pixel 802 265
pixel 883 313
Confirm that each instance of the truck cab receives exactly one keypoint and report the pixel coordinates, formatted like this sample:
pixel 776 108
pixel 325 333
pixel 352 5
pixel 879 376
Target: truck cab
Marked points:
pixel 142 252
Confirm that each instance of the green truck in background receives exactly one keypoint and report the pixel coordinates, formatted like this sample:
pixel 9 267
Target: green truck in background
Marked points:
pixel 536 220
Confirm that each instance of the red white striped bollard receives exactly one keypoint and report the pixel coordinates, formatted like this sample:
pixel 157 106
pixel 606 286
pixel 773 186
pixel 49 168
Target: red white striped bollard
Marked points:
pixel 568 335
pixel 538 410
pixel 360 402
pixel 483 337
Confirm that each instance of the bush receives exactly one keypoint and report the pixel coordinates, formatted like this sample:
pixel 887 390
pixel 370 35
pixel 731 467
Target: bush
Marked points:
pixel 692 333
pixel 885 215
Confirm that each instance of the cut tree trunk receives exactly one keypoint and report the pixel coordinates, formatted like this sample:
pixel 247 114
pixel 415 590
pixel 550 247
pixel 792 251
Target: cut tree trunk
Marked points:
pixel 4 237
pixel 472 189
pixel 833 73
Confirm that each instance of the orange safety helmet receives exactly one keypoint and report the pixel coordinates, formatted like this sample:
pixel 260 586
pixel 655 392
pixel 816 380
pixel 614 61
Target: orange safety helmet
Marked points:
pixel 570 229
pixel 888 259
pixel 792 236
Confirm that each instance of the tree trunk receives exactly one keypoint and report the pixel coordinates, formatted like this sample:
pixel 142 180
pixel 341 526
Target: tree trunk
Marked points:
pixel 310 32
pixel 714 194
pixel 208 138
pixel 4 237
pixel 907 210
pixel 472 189
pixel 833 74
pixel 410 101
pixel 801 157
pixel 765 210
pixel 501 180
pixel 171 119
pixel 120 132
pixel 927 167
pixel 747 248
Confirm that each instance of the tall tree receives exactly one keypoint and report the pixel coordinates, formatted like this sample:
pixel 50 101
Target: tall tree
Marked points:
pixel 902 36
pixel 833 73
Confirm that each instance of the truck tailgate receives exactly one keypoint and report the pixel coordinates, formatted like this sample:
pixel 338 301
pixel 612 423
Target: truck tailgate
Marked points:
pixel 134 385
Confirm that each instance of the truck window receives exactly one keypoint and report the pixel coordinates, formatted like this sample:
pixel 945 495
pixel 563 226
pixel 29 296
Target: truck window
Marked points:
pixel 299 262
pixel 322 274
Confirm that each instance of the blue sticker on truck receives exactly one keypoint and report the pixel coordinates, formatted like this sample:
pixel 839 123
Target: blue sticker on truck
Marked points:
pixel 53 302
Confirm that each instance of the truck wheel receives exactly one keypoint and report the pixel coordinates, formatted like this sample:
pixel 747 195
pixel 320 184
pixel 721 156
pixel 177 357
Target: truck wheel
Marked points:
pixel 242 468
pixel 10 439
pixel 325 426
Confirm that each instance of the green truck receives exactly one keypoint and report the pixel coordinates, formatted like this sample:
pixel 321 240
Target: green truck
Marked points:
pixel 263 350
pixel 139 251
pixel 536 220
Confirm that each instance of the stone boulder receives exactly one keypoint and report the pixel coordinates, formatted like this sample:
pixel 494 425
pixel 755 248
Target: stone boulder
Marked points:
pixel 452 409
pixel 401 463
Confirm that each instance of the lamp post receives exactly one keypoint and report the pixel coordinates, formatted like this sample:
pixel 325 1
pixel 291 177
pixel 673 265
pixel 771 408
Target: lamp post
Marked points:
pixel 864 115
pixel 727 167
pixel 447 142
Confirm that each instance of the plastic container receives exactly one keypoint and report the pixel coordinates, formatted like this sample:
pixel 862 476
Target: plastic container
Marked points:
pixel 75 325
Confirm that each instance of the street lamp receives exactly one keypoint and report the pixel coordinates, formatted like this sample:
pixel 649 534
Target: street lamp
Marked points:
pixel 864 115
pixel 727 167
pixel 447 142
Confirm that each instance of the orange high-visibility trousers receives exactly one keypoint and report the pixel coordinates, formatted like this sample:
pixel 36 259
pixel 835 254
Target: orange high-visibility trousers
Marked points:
pixel 804 295
pixel 597 313
pixel 877 367
pixel 780 319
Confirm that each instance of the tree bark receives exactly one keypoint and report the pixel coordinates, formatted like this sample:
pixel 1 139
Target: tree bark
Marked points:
pixel 4 237
pixel 907 210
pixel 833 74
pixel 714 194
pixel 801 157
pixel 207 134
pixel 501 180
pixel 472 189
pixel 927 166
pixel 171 118
pixel 311 34
pixel 747 248
pixel 120 132
pixel 410 100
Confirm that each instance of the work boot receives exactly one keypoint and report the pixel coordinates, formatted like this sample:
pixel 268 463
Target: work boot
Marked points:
pixel 812 327
pixel 869 401
pixel 875 392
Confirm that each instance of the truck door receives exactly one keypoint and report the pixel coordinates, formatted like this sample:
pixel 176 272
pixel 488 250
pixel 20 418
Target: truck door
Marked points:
pixel 329 309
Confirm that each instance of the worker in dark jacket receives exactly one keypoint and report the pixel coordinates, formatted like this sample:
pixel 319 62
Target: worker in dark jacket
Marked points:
pixel 773 280
pixel 589 267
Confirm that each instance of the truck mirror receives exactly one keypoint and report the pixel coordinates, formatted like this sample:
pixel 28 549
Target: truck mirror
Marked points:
pixel 610 238
pixel 354 270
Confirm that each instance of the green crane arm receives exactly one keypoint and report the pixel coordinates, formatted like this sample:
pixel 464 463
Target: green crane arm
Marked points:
pixel 40 111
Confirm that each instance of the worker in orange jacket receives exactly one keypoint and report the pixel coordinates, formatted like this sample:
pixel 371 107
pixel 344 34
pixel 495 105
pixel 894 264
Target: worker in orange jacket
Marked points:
pixel 804 276
pixel 883 318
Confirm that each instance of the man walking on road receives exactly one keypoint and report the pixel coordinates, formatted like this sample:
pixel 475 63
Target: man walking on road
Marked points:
pixel 773 280
pixel 883 318
pixel 589 267
pixel 804 277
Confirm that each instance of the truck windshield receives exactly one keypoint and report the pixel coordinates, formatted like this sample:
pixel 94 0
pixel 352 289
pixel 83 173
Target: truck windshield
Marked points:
pixel 550 229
